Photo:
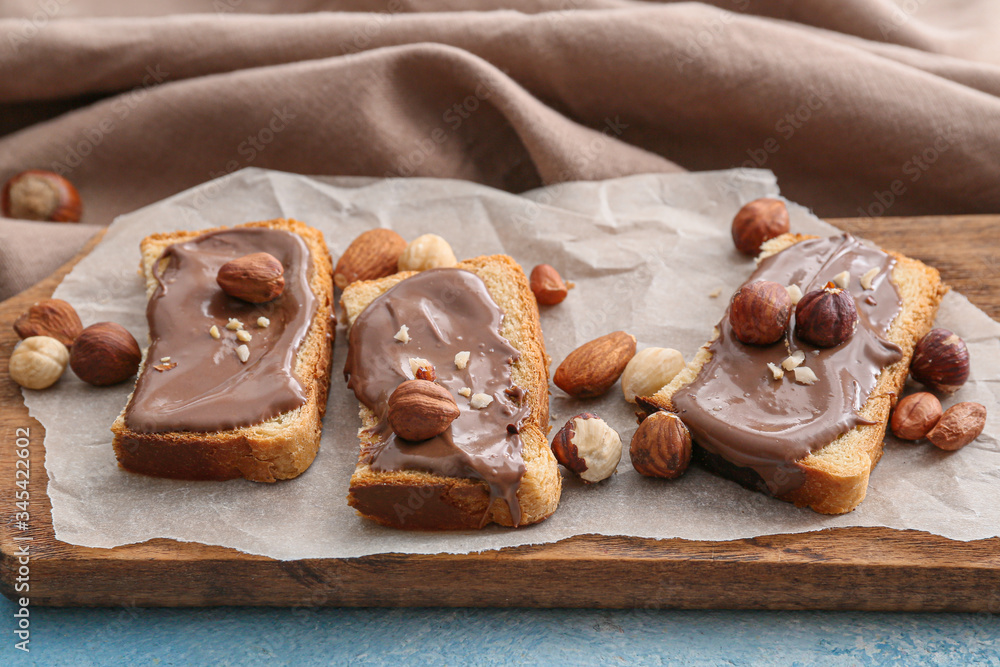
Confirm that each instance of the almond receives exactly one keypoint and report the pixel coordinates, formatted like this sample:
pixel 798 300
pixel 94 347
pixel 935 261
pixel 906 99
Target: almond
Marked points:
pixel 592 368
pixel 256 278
pixel 959 425
pixel 373 254
pixel 420 409
pixel 50 317
pixel 548 285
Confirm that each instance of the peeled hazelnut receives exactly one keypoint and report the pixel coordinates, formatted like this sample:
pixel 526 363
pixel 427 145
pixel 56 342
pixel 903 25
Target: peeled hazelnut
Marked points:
pixel 826 317
pixel 256 278
pixel 759 221
pixel 421 409
pixel 591 369
pixel 429 251
pixel 959 425
pixel 40 195
pixel 759 312
pixel 915 415
pixel 372 255
pixel 661 446
pixel 649 371
pixel 548 285
pixel 38 362
pixel 589 447
pixel 50 317
pixel 940 361
pixel 105 353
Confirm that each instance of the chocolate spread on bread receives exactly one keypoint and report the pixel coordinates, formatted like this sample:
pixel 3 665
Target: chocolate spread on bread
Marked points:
pixel 210 388
pixel 738 412
pixel 446 311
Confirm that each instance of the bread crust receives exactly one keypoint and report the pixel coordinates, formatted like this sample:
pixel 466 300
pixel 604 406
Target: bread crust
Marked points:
pixel 419 500
pixel 836 476
pixel 279 448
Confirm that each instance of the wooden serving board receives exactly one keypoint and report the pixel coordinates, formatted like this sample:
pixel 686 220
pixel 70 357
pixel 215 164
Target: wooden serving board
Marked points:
pixel 855 568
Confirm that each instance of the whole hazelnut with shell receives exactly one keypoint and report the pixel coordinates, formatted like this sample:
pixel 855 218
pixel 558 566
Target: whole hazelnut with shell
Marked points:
pixel 826 317
pixel 940 361
pixel 759 221
pixel 759 312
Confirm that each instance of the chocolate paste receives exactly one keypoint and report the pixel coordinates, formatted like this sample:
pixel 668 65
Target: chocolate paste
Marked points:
pixel 210 389
pixel 446 311
pixel 735 408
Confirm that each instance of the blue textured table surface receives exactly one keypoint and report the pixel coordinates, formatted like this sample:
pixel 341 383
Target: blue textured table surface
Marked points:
pixel 250 636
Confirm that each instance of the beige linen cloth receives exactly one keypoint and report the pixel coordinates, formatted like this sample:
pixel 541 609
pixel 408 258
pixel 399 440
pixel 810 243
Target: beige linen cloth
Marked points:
pixel 861 107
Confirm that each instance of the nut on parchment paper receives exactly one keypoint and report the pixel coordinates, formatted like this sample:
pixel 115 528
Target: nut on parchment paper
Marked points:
pixel 915 415
pixel 373 254
pixel 591 369
pixel 661 446
pixel 589 447
pixel 759 221
pixel 547 285
pixel 421 409
pixel 105 353
pixel 940 361
pixel 959 425
pixel 50 317
pixel 38 362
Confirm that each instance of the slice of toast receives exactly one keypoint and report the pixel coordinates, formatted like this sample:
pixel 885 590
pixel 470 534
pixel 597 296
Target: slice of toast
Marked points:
pixel 281 447
pixel 414 499
pixel 836 475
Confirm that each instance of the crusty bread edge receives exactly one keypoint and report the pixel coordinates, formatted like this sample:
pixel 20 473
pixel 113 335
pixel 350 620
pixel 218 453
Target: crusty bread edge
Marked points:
pixel 279 448
pixel 424 501
pixel 836 476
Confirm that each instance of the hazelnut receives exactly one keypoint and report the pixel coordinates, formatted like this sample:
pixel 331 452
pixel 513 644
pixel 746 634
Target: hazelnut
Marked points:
pixel 759 221
pixel 591 369
pixel 421 409
pixel 826 317
pixel 940 361
pixel 429 251
pixel 38 362
pixel 50 317
pixel 105 353
pixel 649 371
pixel 959 425
pixel 372 255
pixel 589 447
pixel 759 312
pixel 548 285
pixel 661 446
pixel 915 415
pixel 256 278
pixel 40 195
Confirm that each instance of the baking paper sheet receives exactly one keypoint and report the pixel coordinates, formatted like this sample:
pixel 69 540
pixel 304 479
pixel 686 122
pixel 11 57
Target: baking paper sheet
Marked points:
pixel 645 253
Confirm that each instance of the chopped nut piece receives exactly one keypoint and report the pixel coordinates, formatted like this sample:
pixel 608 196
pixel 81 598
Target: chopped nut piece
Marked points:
pixel 866 280
pixel 214 332
pixel 416 363
pixel 793 361
pixel 165 367
pixel 243 336
pixel 263 322
pixel 805 375
pixel 714 294
pixel 234 324
pixel 777 372
pixel 794 293
pixel 164 359
pixel 403 335
pixel 243 352
pixel 842 279
pixel 480 401
pixel 462 360
pixel 465 391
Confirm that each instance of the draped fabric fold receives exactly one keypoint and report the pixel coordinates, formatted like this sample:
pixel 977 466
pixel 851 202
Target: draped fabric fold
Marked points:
pixel 861 107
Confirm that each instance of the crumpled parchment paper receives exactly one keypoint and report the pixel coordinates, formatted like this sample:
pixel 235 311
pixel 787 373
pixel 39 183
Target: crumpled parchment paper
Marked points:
pixel 645 253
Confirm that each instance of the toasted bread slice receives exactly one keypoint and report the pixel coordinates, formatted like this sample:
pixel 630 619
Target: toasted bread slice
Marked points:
pixel 836 475
pixel 421 500
pixel 281 447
